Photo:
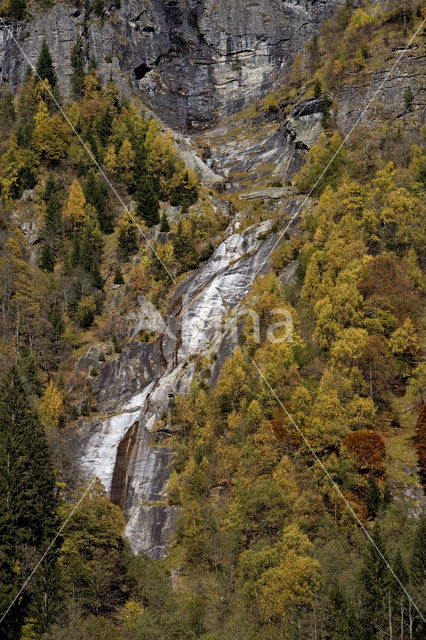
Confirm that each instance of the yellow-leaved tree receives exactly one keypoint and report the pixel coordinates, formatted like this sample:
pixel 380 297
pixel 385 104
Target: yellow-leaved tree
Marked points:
pixel 126 162
pixel 74 213
pixel 50 408
pixel 293 583
pixel 51 135
pixel 110 160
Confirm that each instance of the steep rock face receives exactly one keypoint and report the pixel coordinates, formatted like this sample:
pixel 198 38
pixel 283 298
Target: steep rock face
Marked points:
pixel 127 446
pixel 128 450
pixel 193 59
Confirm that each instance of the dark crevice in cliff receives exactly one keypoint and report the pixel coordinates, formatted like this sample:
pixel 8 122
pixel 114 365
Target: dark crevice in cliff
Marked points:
pixel 120 478
pixel 141 70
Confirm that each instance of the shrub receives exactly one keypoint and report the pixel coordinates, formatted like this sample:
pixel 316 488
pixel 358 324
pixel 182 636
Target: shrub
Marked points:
pixel 368 449
pixel 85 313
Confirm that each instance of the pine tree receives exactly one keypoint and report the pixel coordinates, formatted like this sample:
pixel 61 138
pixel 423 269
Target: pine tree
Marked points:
pixel 91 248
pixel 185 192
pixel 118 276
pixel 345 624
pixel 104 126
pixel 58 324
pixel 147 201
pixel 165 227
pixel 417 565
pixel 402 575
pixel 317 88
pixel 127 237
pixel 18 8
pixel 184 253
pixel 373 497
pixel 96 194
pixel 52 220
pixel 141 155
pixel 44 68
pixel 27 502
pixel 375 581
pixel 47 260
pixel 77 63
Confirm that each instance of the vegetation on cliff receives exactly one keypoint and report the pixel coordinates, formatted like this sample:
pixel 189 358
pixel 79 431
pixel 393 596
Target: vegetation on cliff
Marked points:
pixel 269 542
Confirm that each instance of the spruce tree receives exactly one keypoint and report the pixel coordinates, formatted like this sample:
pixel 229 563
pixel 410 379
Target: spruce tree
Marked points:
pixel 91 247
pixel 317 88
pixel 147 201
pixel 417 565
pixel 27 502
pixel 344 623
pixel 376 583
pixel 96 194
pixel 185 193
pixel 45 67
pixel 141 155
pixel 165 227
pixel 52 224
pixel 373 497
pixel 127 240
pixel 17 9
pixel 184 253
pixel 77 64
pixel 47 260
pixel 118 276
pixel 58 324
pixel 104 126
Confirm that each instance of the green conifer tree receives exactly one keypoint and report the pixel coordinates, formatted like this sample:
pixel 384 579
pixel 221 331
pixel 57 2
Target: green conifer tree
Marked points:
pixel 96 194
pixel 417 565
pixel 343 620
pixel 18 9
pixel 184 253
pixel 104 126
pixel 47 260
pixel 165 227
pixel 127 240
pixel 141 154
pixel 147 201
pixel 91 247
pixel 317 88
pixel 375 580
pixel 52 224
pixel 77 63
pixel 45 67
pixel 118 276
pixel 374 497
pixel 27 504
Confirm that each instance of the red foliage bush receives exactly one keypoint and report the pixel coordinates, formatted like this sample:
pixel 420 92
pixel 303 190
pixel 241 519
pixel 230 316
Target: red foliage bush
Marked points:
pixel 369 450
pixel 420 441
pixel 384 284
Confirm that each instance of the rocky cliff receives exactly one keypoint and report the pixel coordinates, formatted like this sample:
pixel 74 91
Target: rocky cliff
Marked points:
pixel 127 446
pixel 194 60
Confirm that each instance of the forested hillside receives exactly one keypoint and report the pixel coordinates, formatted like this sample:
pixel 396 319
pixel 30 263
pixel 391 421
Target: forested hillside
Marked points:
pixel 295 461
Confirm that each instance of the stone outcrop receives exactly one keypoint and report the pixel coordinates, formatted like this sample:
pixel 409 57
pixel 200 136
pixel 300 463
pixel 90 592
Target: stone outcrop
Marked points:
pixel 194 60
